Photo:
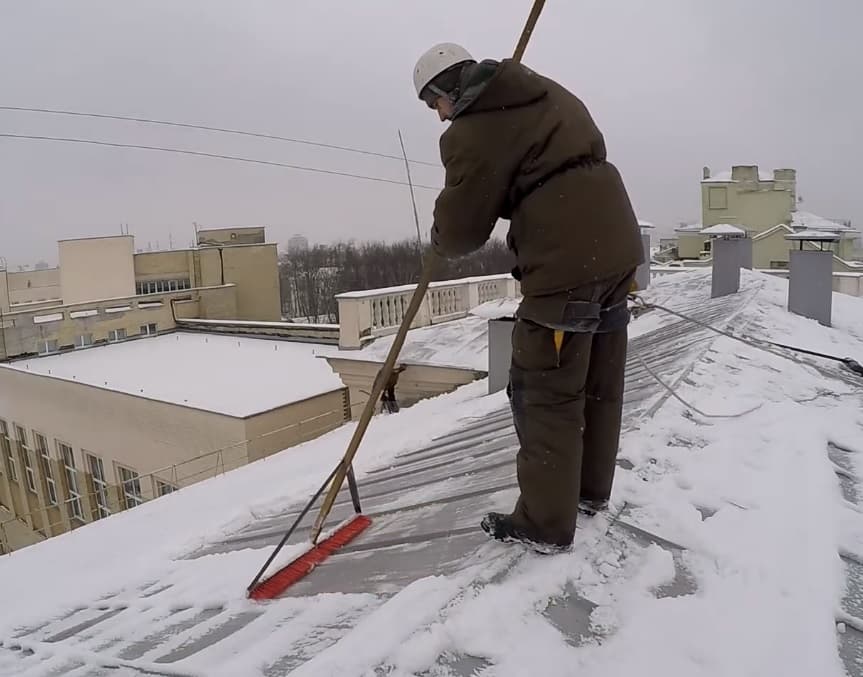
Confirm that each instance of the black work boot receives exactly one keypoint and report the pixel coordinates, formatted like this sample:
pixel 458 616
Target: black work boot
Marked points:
pixel 590 507
pixel 502 528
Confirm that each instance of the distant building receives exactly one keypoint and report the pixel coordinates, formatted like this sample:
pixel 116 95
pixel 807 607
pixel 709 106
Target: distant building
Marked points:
pixel 103 291
pixel 765 205
pixel 298 243
pixel 228 236
pixel 117 385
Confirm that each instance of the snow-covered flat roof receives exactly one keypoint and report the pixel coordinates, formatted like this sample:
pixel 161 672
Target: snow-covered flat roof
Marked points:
pixel 725 176
pixel 724 229
pixel 223 374
pixel 734 543
pixel 462 344
pixel 689 228
pixel 809 221
pixel 816 235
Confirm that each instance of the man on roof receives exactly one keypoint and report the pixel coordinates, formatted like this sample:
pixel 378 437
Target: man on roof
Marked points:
pixel 522 148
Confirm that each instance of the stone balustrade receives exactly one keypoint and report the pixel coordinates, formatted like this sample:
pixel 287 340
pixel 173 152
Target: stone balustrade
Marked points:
pixel 364 315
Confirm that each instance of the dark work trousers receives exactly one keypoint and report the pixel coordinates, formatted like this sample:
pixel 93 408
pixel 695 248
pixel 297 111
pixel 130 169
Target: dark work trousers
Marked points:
pixel 567 404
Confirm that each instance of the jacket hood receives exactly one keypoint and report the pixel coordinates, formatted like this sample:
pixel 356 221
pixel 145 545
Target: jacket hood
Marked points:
pixel 492 85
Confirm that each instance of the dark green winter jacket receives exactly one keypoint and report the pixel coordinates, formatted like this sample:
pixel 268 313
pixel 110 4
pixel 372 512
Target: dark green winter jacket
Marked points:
pixel 522 148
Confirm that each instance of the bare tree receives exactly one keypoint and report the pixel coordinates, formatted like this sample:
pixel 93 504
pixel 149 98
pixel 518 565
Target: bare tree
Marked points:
pixel 311 279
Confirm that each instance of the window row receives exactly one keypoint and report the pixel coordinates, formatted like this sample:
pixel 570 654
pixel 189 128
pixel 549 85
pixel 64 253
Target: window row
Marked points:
pixel 69 489
pixel 161 286
pixel 47 346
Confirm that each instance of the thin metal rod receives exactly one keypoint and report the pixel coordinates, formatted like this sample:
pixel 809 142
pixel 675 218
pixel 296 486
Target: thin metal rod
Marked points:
pixel 413 196
pixel 416 212
pixel 355 491
pixel 291 530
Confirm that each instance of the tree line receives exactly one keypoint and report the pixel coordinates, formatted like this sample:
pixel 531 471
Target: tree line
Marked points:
pixel 310 278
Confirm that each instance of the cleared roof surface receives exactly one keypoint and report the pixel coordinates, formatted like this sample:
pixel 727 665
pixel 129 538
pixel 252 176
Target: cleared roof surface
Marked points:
pixel 733 546
pixel 224 374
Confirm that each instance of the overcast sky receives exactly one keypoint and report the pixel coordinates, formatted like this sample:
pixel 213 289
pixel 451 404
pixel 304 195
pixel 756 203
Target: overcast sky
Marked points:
pixel 673 84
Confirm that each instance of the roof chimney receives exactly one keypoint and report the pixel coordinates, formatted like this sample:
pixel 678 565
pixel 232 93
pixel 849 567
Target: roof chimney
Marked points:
pixel 706 173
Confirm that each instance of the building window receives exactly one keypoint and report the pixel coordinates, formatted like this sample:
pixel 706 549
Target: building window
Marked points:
pixel 100 485
pixel 24 451
pixel 717 198
pixel 164 488
pixel 162 286
pixel 131 487
pixel 6 443
pixel 72 486
pixel 116 335
pixel 46 346
pixel 779 265
pixel 47 470
pixel 148 329
pixel 83 340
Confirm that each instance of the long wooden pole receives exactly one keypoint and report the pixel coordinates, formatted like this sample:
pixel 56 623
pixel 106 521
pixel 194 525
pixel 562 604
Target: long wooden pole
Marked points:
pixel 383 375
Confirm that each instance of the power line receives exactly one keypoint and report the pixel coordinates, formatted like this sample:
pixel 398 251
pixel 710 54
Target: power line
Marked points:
pixel 223 130
pixel 235 158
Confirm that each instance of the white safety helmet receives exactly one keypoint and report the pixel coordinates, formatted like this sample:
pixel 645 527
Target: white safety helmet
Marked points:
pixel 437 60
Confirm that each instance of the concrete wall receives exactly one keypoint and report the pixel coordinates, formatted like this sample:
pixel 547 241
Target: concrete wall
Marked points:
pixel 846 248
pixel 690 245
pixel 4 291
pixel 217 303
pixel 34 285
pixel 97 268
pixel 208 267
pixel 296 423
pixel 239 235
pixel 167 265
pixel 255 271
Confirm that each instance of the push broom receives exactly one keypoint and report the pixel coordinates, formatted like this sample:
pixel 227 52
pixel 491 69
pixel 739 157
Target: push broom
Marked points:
pixel 282 579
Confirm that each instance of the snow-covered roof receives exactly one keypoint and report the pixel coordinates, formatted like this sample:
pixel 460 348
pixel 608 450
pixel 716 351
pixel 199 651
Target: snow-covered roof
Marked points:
pixel 809 221
pixel 497 309
pixel 645 224
pixel 724 229
pixel 815 235
pixel 689 228
pixel 733 544
pixel 462 344
pixel 224 374
pixel 725 176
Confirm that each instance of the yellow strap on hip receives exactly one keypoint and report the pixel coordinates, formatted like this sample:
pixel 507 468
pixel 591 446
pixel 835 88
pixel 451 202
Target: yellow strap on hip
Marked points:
pixel 558 343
